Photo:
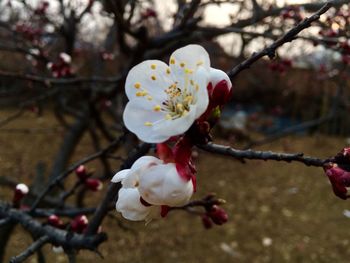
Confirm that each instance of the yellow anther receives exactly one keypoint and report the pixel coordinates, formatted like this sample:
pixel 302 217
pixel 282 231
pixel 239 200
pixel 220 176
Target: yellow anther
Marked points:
pixel 189 99
pixel 172 61
pixel 192 82
pixel 137 85
pixel 168 117
pixel 167 71
pixel 199 63
pixel 182 64
pixel 141 93
pixel 147 123
pixel 197 87
pixel 153 66
pixel 179 106
pixel 188 71
pixel 153 77
pixel 157 108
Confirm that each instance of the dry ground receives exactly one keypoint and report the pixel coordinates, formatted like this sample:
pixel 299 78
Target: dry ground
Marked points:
pixel 278 212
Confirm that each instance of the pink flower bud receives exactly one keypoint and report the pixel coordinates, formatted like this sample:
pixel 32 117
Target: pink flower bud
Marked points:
pixel 339 178
pixel 93 184
pixel 81 172
pixel 79 224
pixel 55 221
pixel 21 190
pixel 218 215
pixel 207 223
pixel 221 93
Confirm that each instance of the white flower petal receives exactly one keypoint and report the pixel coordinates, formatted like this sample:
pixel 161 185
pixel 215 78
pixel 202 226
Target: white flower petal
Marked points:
pixel 217 75
pixel 129 205
pixel 150 76
pixel 189 57
pixel 144 161
pixel 139 118
pixel 202 97
pixel 162 185
pixel 169 128
pixel 133 178
pixel 119 176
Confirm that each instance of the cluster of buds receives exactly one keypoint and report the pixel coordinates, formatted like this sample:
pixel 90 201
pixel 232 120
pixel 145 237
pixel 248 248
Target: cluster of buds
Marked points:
pixel 214 214
pixel 281 65
pixel 21 190
pixel 28 32
pixel 344 48
pixel 329 32
pixel 92 184
pixel 42 8
pixel 292 12
pixel 55 221
pixel 338 172
pixel 148 13
pixel 61 68
pixel 79 224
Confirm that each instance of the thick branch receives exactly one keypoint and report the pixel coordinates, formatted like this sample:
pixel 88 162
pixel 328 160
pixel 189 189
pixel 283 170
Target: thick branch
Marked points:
pixel 55 236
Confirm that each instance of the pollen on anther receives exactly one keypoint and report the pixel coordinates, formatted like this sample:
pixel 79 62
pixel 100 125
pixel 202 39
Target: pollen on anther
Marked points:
pixel 147 123
pixel 172 61
pixel 182 64
pixel 192 82
pixel 141 93
pixel 153 77
pixel 188 71
pixel 167 71
pixel 153 66
pixel 137 85
pixel 157 108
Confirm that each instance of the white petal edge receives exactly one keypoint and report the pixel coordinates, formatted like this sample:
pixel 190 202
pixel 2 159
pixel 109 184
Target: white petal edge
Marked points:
pixel 136 115
pixel 119 176
pixel 129 205
pixel 217 75
pixel 149 75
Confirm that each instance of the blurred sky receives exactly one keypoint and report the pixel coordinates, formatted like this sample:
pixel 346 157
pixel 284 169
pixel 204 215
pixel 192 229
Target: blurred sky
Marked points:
pixel 95 26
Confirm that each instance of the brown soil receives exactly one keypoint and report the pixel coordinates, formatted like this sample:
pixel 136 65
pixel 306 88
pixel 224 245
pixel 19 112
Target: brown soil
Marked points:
pixel 278 212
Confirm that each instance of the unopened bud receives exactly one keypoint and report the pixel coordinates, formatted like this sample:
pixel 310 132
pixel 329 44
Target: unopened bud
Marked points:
pixel 21 190
pixel 93 184
pixel 81 172
pixel 218 215
pixel 207 223
pixel 55 221
pixel 79 224
pixel 221 93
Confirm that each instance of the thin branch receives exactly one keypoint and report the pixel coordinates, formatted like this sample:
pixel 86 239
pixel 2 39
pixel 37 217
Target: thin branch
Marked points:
pixel 63 175
pixel 35 246
pixel 263 155
pixel 288 37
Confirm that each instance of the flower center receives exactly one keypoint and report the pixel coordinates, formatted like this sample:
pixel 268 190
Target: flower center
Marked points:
pixel 179 100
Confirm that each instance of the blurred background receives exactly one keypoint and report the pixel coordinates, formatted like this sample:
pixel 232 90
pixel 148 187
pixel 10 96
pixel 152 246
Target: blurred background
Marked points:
pixel 62 70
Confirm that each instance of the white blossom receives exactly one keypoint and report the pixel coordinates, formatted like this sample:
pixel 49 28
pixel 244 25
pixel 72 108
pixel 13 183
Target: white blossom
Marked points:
pixel 153 181
pixel 164 101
